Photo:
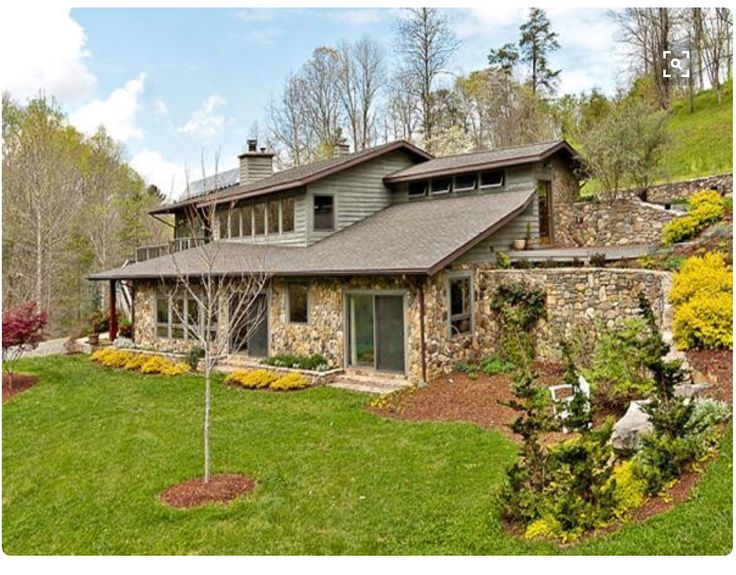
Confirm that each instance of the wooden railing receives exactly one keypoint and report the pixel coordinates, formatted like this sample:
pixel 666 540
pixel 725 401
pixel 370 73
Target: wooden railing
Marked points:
pixel 144 253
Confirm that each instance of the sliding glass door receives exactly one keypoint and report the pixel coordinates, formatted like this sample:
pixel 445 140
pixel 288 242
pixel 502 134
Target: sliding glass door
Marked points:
pixel 376 331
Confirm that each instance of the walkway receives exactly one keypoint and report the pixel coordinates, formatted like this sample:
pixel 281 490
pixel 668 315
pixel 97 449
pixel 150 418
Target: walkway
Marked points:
pixel 581 253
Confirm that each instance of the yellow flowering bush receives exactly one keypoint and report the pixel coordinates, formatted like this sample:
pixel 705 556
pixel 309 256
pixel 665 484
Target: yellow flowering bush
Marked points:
pixel 290 382
pixel 702 292
pixel 252 379
pixel 164 366
pixel 543 528
pixel 705 208
pixel 145 363
pixel 264 379
pixel 705 322
pixel 701 275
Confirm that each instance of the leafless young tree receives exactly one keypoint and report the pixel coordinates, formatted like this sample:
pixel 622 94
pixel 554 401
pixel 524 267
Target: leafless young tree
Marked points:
pixel 426 44
pixel 322 105
pixel 362 77
pixel 286 124
pixel 228 307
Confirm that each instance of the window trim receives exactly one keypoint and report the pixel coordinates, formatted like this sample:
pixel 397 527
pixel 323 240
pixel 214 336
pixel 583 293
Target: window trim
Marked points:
pixel 334 211
pixel 461 275
pixel 185 324
pixel 440 192
pixel 455 187
pixel 288 302
pixel 491 186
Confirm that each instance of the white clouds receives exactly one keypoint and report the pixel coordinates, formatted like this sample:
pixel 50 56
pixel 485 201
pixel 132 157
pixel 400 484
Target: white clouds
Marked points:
pixel 162 110
pixel 170 177
pixel 486 20
pixel 44 49
pixel 360 17
pixel 205 123
pixel 117 113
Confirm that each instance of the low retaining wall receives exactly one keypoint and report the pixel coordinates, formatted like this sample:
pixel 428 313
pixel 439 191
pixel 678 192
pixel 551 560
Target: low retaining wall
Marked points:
pixel 624 221
pixel 664 193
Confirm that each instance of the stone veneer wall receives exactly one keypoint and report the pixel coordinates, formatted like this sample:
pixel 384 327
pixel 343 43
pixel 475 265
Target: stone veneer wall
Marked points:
pixel 589 299
pixel 624 221
pixel 663 193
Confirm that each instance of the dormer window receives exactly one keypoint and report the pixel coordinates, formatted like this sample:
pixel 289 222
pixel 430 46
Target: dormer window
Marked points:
pixel 417 189
pixel 440 186
pixel 491 179
pixel 465 183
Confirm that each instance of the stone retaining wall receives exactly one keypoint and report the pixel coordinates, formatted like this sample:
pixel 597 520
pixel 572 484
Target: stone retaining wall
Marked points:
pixel 664 193
pixel 624 221
pixel 579 301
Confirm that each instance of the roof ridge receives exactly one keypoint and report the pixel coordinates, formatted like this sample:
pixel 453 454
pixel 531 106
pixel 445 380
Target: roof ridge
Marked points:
pixel 556 141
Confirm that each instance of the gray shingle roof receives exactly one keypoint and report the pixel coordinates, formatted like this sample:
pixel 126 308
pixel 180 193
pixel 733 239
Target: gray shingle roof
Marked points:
pixel 298 176
pixel 418 237
pixel 479 160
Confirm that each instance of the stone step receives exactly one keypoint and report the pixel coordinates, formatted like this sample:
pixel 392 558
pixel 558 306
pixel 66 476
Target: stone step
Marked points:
pixel 374 384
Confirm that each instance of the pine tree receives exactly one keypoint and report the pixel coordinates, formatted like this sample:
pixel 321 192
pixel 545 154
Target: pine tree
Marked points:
pixel 504 58
pixel 537 42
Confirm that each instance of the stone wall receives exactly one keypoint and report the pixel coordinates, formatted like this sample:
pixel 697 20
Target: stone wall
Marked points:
pixel 665 193
pixel 624 221
pixel 578 299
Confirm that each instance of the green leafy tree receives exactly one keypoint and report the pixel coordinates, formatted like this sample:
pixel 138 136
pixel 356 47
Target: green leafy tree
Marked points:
pixel 504 58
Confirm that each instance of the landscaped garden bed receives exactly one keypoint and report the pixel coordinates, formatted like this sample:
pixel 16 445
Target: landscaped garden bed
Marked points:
pixel 20 382
pixel 222 488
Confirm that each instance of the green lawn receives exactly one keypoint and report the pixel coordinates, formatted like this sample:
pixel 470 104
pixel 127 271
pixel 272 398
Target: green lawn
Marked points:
pixel 87 450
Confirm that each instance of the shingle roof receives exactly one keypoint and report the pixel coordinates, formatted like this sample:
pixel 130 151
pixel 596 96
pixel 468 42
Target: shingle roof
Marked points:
pixel 480 160
pixel 298 176
pixel 418 237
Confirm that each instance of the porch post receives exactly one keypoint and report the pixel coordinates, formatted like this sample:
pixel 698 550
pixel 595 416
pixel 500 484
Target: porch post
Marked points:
pixel 113 317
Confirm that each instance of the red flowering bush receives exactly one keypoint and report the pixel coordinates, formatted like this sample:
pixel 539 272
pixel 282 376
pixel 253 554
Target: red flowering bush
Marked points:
pixel 22 330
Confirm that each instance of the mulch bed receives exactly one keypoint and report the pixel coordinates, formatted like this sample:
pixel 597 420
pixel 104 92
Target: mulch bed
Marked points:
pixel 21 382
pixel 457 397
pixel 222 488
pixel 717 366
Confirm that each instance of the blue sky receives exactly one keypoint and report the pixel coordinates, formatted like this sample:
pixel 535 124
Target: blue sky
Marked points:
pixel 172 84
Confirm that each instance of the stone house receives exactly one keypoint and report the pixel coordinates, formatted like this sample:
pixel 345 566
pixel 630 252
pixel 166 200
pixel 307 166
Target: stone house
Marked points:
pixel 380 260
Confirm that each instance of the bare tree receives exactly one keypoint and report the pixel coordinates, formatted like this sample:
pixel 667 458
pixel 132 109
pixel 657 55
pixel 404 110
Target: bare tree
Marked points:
pixel 287 126
pixel 362 77
pixel 717 46
pixel 426 43
pixel 228 307
pixel 322 105
pixel 402 107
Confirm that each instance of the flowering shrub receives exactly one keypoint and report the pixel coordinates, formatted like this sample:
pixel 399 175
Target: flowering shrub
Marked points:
pixel 630 490
pixel 22 331
pixel 705 208
pixel 290 382
pixel 122 359
pixel 264 379
pixel 702 292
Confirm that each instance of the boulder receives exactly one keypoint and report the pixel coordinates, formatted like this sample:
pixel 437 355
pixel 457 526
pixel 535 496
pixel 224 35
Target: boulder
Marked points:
pixel 630 428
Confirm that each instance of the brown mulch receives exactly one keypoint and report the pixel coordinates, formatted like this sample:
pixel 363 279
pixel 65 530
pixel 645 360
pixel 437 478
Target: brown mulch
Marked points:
pixel 717 367
pixel 457 397
pixel 222 488
pixel 21 382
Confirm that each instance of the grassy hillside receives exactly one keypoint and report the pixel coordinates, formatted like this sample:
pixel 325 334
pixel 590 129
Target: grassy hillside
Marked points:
pixel 702 142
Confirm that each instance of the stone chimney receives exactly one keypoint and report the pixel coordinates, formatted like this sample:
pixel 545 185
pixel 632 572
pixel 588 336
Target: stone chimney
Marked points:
pixel 255 164
pixel 342 148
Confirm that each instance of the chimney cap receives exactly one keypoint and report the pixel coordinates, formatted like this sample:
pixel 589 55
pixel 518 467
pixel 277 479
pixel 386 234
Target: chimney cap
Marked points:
pixel 252 144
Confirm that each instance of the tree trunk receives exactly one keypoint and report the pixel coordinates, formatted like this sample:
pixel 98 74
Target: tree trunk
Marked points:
pixel 207 400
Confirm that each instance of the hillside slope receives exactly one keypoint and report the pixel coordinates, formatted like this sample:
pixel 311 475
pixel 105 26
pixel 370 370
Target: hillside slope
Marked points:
pixel 701 143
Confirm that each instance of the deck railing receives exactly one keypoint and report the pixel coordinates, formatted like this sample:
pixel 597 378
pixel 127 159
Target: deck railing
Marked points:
pixel 144 253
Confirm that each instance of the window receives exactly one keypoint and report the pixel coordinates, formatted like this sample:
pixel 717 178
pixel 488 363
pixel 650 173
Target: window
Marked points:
pixel 179 316
pixel 246 219
pixel 287 215
pixel 324 212
pixel 234 223
pixel 417 189
pixel 461 302
pixel 298 302
pixel 492 179
pixel 464 182
pixel 222 216
pixel 273 217
pixel 440 185
pixel 259 214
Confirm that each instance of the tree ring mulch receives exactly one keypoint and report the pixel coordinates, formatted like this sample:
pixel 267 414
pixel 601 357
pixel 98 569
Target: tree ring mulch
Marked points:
pixel 21 382
pixel 222 488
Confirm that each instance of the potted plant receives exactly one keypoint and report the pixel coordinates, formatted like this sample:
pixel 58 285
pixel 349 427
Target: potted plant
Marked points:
pixel 519 245
pixel 528 237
